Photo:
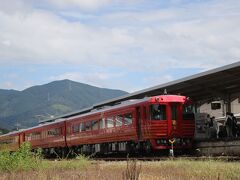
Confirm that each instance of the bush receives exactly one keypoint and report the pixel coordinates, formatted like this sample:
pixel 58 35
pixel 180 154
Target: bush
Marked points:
pixel 23 159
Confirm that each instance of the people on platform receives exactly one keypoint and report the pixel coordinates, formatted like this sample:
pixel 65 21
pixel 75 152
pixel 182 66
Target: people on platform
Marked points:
pixel 216 129
pixel 213 127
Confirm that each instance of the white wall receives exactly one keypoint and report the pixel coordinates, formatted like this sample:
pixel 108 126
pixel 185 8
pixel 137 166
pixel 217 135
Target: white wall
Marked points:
pixel 206 108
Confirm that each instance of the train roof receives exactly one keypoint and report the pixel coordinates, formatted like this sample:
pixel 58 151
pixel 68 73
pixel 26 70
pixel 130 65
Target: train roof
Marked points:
pixel 108 108
pixel 12 133
pixel 92 110
pixel 46 124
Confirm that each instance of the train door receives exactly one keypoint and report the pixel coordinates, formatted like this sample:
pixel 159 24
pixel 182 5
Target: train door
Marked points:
pixel 21 138
pixel 139 122
pixel 64 133
pixel 174 119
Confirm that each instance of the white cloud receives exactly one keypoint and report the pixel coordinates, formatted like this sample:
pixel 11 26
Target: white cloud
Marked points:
pixel 99 79
pixel 83 4
pixel 8 85
pixel 156 80
pixel 203 35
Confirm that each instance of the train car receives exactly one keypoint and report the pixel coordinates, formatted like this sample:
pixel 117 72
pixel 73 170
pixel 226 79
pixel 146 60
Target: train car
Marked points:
pixel 133 126
pixel 10 141
pixel 49 137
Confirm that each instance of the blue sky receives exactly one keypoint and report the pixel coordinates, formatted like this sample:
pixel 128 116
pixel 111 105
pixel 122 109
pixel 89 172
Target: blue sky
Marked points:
pixel 119 44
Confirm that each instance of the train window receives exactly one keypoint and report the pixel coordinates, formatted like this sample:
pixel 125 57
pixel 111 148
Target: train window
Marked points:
pixel 102 123
pixel 68 130
pixel 110 122
pixel 174 112
pixel 88 126
pixel 188 108
pixel 10 140
pixel 59 131
pixel 75 128
pixel 36 135
pixel 54 132
pixel 82 127
pixel 188 112
pixel 16 139
pixel 119 120
pixel 95 125
pixel 44 134
pixel 128 119
pixel 158 112
pixel 28 137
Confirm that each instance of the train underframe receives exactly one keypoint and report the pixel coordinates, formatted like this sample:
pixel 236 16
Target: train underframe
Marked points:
pixel 129 148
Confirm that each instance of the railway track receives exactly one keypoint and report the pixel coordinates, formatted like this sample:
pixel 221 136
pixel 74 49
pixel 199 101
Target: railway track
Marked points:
pixel 202 158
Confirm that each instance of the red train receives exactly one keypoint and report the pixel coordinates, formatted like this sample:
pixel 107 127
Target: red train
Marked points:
pixel 131 126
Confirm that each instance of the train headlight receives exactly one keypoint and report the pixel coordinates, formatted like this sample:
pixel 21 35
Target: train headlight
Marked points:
pixel 161 141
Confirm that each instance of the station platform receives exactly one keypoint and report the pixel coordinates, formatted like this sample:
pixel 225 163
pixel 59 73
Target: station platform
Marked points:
pixel 216 147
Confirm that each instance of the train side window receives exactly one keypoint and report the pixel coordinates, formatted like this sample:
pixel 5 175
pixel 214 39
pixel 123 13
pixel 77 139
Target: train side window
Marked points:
pixel 88 126
pixel 158 112
pixel 82 127
pixel 102 123
pixel 8 141
pixel 119 120
pixel 128 119
pixel 36 135
pixel 95 125
pixel 110 122
pixel 68 130
pixel 75 128
pixel 188 112
pixel 43 134
pixel 59 131
pixel 54 132
pixel 28 137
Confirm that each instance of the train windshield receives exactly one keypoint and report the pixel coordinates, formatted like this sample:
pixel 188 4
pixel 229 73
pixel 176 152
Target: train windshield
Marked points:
pixel 158 112
pixel 174 111
pixel 188 112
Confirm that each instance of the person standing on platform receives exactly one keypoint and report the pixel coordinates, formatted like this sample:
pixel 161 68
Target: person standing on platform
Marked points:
pixel 229 124
pixel 208 126
pixel 235 126
pixel 215 127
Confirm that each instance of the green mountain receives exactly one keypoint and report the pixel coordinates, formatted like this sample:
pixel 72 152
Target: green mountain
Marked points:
pixel 26 108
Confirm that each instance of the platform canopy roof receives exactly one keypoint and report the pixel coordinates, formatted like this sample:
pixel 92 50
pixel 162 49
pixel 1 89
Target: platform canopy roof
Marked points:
pixel 209 85
pixel 219 82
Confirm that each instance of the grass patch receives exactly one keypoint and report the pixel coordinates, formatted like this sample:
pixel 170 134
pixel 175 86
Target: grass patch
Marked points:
pixel 24 165
pixel 191 169
pixel 23 159
pixel 79 162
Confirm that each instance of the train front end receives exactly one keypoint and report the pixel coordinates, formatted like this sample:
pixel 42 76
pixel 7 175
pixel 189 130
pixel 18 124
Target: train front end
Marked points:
pixel 171 122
